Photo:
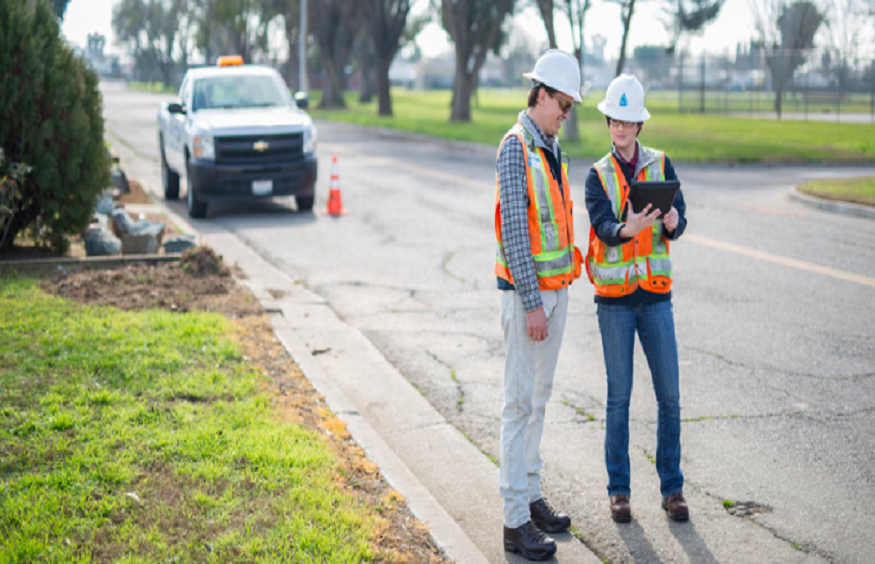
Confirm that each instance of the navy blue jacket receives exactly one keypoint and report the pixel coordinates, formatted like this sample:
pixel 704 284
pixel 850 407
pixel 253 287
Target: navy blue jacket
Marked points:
pixel 607 227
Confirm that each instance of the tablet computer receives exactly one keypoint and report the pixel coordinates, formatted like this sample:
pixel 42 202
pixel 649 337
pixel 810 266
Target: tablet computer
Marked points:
pixel 660 193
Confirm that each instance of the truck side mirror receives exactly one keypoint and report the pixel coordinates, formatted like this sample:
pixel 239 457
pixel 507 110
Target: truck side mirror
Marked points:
pixel 175 108
pixel 302 100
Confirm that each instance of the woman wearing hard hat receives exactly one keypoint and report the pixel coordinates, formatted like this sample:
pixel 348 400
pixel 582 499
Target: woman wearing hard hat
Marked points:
pixel 628 262
pixel 536 261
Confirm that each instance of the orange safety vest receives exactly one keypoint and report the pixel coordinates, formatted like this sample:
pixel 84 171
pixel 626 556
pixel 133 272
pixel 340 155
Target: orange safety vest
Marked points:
pixel 644 261
pixel 551 221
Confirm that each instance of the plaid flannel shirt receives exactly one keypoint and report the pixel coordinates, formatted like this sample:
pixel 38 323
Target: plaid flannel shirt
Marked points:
pixel 514 198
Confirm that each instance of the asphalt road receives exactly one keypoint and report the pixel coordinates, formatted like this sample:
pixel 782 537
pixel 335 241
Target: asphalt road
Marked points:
pixel 774 307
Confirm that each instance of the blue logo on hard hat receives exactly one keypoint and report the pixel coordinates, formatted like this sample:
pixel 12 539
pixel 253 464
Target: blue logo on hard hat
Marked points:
pixel 623 101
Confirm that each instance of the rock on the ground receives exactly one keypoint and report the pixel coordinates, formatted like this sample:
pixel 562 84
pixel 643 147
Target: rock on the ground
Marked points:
pixel 104 203
pixel 121 223
pixel 120 180
pixel 179 243
pixel 99 242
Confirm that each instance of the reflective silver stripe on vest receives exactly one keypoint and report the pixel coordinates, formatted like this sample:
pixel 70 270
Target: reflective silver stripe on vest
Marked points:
pixel 661 267
pixel 556 264
pixel 609 275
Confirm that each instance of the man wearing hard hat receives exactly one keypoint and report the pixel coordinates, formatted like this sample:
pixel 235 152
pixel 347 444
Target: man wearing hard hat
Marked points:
pixel 629 264
pixel 536 261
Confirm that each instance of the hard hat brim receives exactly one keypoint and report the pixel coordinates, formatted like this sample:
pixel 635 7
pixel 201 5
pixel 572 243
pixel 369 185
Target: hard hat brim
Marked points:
pixel 574 95
pixel 622 114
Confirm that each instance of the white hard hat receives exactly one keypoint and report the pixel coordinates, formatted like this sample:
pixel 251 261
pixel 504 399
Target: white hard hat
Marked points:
pixel 624 100
pixel 558 70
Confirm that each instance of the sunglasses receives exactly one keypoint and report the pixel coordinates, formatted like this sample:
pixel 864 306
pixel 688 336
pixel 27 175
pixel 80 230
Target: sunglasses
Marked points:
pixel 564 105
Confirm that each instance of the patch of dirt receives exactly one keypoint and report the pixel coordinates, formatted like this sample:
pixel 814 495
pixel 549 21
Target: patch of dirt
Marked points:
pixel 201 281
pixel 136 196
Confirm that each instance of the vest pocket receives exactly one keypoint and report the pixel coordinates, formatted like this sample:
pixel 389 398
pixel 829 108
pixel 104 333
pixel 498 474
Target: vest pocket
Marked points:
pixel 613 254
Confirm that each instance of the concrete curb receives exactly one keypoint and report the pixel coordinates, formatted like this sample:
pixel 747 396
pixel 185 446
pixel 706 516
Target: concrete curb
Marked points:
pixel 77 263
pixel 845 208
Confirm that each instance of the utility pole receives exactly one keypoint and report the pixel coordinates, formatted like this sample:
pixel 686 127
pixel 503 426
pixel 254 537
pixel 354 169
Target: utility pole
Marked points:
pixel 302 49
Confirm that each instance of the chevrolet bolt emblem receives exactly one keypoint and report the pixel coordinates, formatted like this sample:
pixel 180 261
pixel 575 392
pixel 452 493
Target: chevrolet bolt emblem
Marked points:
pixel 261 146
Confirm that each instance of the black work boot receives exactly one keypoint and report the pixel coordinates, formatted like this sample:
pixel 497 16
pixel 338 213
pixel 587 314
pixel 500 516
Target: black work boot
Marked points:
pixel 546 519
pixel 530 542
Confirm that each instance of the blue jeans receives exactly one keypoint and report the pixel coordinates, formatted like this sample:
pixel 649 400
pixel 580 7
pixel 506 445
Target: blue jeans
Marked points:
pixel 655 326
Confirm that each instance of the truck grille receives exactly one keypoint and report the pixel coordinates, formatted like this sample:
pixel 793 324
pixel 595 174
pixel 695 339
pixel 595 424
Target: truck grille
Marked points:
pixel 273 149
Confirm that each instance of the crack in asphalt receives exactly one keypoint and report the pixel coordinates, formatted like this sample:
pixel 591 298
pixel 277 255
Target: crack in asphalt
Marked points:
pixel 445 265
pixel 589 417
pixel 460 401
pixel 731 362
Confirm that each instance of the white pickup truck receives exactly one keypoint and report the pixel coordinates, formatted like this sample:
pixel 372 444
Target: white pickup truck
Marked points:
pixel 237 134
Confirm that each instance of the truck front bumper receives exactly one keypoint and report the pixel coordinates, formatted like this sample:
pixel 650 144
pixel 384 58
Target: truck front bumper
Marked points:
pixel 218 182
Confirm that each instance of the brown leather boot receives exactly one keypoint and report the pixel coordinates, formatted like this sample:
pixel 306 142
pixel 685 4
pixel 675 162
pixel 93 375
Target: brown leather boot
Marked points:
pixel 530 542
pixel 621 510
pixel 676 507
pixel 545 517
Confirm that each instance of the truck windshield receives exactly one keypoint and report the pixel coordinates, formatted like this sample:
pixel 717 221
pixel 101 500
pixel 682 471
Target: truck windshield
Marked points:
pixel 237 92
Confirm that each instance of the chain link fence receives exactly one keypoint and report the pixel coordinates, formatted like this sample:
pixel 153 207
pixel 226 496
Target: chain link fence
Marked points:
pixel 812 84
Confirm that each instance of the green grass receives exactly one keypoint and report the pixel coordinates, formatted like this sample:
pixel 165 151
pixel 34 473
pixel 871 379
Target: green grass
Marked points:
pixel 143 437
pixel 859 190
pixel 158 87
pixel 728 504
pixel 685 137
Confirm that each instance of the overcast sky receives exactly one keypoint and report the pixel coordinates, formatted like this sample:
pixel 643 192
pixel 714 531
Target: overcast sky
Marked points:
pixel 733 25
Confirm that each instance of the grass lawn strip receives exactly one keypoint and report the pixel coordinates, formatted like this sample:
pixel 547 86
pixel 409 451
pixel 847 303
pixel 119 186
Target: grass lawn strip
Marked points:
pixel 859 190
pixel 147 436
pixel 685 137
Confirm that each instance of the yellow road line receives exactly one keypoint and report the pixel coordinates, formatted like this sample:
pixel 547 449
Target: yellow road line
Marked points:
pixel 777 259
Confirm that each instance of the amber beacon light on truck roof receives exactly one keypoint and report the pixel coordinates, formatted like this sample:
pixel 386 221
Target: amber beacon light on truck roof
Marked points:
pixel 229 61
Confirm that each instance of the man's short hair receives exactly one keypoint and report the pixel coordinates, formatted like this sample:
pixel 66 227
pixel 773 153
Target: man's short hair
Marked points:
pixel 535 91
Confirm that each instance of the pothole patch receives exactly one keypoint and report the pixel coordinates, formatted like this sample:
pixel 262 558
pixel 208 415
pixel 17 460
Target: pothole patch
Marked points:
pixel 745 508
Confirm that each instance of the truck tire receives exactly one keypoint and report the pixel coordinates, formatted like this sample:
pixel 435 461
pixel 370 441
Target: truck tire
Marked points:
pixel 196 209
pixel 169 179
pixel 305 203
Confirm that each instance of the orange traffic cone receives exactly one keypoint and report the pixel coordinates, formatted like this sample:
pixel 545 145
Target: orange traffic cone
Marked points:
pixel 335 206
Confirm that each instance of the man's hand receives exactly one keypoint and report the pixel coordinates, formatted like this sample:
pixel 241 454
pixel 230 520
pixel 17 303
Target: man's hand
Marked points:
pixel 536 321
pixel 671 220
pixel 638 222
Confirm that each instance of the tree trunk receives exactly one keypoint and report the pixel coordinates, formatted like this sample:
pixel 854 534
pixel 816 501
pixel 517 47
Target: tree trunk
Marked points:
pixel 546 8
pixel 332 91
pixel 383 87
pixel 627 21
pixel 462 89
pixel 365 61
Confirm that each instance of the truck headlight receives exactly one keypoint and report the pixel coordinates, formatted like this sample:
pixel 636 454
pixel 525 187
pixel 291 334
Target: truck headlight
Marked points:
pixel 310 140
pixel 204 148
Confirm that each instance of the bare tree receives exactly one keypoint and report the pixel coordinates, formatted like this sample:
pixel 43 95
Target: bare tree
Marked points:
pixel 388 19
pixel 475 28
pixel 546 9
pixel 575 11
pixel 690 16
pixel 363 48
pixel 787 32
pixel 333 23
pixel 627 10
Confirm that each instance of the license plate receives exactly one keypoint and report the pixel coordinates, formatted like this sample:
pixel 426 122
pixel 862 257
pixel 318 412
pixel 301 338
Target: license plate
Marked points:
pixel 262 187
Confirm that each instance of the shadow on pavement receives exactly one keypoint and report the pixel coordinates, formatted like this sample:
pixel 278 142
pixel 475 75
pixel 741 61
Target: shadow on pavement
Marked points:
pixel 696 549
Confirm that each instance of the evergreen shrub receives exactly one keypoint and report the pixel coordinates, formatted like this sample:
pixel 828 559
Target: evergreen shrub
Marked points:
pixel 51 119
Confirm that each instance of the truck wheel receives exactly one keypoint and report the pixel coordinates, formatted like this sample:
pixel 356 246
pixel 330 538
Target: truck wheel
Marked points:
pixel 196 209
pixel 305 203
pixel 169 179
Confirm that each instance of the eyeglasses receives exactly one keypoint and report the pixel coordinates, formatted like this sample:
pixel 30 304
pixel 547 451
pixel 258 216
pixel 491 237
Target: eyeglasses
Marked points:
pixel 564 105
pixel 617 124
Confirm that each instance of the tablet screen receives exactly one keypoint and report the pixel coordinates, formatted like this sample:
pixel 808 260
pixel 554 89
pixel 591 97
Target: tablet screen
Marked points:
pixel 659 193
